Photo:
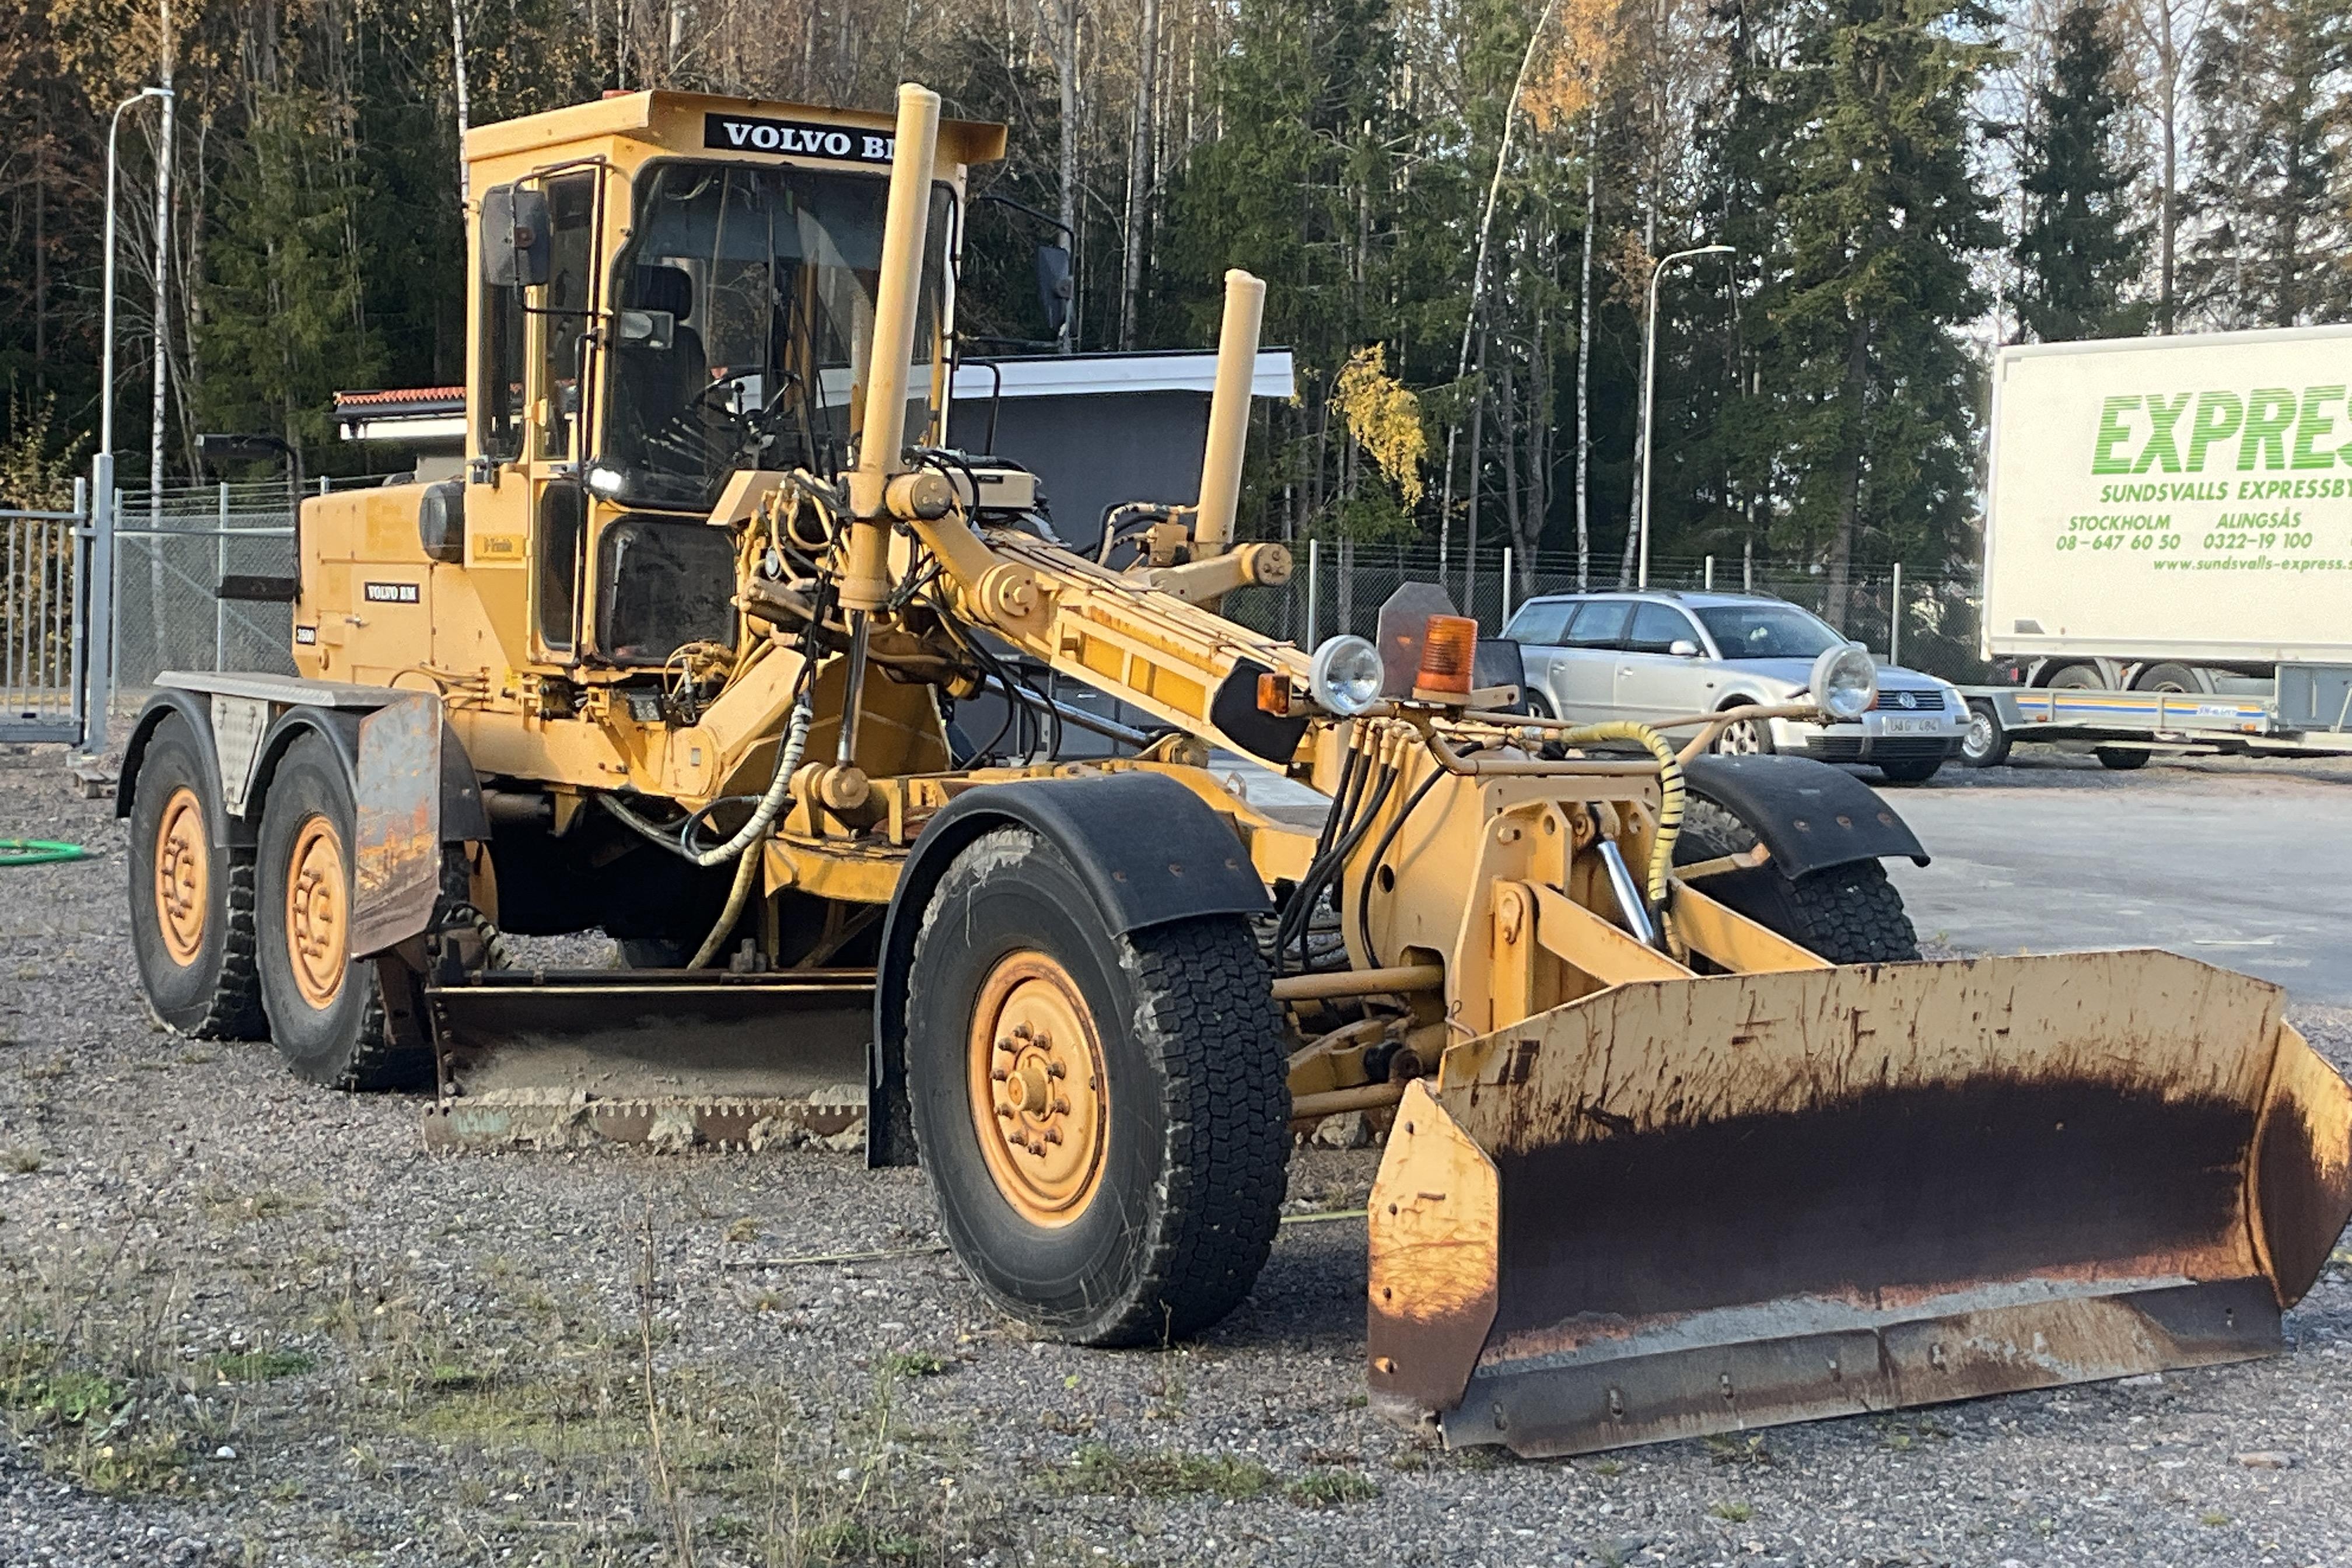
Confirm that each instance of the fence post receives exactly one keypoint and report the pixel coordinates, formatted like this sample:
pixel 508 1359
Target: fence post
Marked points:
pixel 97 697
pixel 1747 566
pixel 1895 619
pixel 1314 574
pixel 1710 574
pixel 220 606
pixel 1506 591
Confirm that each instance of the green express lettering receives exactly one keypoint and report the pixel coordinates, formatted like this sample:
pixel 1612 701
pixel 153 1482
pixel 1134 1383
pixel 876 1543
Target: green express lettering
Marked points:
pixel 2312 425
pixel 2263 439
pixel 2160 448
pixel 2113 433
pixel 2218 414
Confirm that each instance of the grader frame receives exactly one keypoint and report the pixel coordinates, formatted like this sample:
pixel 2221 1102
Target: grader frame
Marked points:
pixel 1586 1018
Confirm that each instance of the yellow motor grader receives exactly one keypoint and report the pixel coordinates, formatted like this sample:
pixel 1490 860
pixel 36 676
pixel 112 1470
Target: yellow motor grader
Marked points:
pixel 1683 1135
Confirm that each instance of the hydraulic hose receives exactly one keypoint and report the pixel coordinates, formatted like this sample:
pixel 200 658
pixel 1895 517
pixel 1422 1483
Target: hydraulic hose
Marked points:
pixel 747 863
pixel 763 816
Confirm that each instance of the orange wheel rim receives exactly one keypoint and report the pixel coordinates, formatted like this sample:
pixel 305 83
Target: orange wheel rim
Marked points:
pixel 317 913
pixel 1040 1098
pixel 182 876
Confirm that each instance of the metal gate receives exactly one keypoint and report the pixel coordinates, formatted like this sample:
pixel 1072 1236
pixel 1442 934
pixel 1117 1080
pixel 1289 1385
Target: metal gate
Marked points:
pixel 41 618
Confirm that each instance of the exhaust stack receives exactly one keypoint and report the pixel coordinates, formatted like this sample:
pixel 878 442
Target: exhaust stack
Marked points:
pixel 1221 464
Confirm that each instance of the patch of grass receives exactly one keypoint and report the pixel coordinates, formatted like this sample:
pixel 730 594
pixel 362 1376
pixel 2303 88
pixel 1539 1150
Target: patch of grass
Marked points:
pixel 914 1364
pixel 49 1071
pixel 1330 1488
pixel 1723 1450
pixel 1609 1468
pixel 193 1057
pixel 226 1204
pixel 743 1230
pixel 260 1366
pixel 1102 1471
pixel 137 1462
pixel 1732 1512
pixel 855 1541
pixel 2215 1517
pixel 68 1397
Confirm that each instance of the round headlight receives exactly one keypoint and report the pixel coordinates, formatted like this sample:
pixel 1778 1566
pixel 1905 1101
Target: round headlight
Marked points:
pixel 1844 682
pixel 1345 678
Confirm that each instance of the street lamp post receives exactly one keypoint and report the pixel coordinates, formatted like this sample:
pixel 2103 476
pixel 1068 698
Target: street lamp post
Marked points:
pixel 99 696
pixel 1650 387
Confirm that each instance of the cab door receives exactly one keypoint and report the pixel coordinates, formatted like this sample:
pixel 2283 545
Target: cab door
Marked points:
pixel 528 407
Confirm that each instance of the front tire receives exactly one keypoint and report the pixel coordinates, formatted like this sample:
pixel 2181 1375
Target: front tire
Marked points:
pixel 326 1013
pixel 1986 744
pixel 1910 772
pixel 1846 914
pixel 192 900
pixel 1103 1117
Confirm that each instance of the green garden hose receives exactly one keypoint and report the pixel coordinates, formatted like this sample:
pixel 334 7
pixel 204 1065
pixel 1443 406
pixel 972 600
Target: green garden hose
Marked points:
pixel 39 852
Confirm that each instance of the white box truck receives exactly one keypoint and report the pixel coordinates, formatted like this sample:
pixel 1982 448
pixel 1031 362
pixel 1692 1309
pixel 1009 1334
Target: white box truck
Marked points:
pixel 2172 518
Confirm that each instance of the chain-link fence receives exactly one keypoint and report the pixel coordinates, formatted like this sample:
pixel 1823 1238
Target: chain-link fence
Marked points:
pixel 169 560
pixel 1339 587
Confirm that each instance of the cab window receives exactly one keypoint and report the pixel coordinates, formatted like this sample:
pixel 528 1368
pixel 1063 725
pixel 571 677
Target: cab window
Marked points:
pixel 563 309
pixel 1657 627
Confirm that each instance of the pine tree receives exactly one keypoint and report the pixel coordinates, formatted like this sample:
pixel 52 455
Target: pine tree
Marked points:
pixel 2082 247
pixel 2273 90
pixel 1880 216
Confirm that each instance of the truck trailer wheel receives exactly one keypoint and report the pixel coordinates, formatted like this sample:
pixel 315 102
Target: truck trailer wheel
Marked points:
pixel 325 1011
pixel 192 900
pixel 1103 1117
pixel 1847 915
pixel 2121 759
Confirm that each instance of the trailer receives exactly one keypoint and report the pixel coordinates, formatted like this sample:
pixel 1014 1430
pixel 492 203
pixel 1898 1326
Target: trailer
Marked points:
pixel 2306 711
pixel 2171 515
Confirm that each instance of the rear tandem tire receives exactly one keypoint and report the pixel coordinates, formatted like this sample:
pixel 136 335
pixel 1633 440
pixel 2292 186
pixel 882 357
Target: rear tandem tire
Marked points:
pixel 326 1013
pixel 192 900
pixel 2121 759
pixel 1846 914
pixel 1133 1089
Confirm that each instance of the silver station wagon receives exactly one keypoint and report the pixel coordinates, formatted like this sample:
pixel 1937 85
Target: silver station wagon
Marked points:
pixel 1658 655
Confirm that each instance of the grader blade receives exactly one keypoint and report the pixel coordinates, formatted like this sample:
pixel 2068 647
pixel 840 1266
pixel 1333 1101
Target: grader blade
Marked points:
pixel 1691 1207
pixel 673 1057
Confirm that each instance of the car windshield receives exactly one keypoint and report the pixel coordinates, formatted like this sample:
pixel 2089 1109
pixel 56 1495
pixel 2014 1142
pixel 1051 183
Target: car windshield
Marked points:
pixel 744 306
pixel 1768 631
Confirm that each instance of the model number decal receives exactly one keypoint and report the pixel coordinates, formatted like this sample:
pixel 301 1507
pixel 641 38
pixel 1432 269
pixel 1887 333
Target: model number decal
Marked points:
pixel 742 132
pixel 392 593
pixel 306 634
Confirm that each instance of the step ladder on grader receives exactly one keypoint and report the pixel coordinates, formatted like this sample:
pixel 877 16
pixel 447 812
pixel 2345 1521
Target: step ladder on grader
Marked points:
pixel 1683 1135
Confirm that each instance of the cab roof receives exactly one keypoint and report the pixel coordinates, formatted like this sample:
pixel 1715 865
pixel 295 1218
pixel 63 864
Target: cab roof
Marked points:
pixel 667 118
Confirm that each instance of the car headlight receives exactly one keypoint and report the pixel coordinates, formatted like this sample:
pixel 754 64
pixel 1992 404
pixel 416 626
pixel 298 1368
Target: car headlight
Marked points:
pixel 1345 678
pixel 1844 682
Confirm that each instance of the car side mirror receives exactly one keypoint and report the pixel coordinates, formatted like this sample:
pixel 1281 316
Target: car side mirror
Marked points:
pixel 517 237
pixel 1683 648
pixel 656 330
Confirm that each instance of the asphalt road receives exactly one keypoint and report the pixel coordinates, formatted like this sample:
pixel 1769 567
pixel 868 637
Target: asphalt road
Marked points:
pixel 2246 865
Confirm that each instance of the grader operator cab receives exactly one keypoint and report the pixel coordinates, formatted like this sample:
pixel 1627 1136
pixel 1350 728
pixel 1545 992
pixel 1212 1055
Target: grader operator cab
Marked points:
pixel 1685 1136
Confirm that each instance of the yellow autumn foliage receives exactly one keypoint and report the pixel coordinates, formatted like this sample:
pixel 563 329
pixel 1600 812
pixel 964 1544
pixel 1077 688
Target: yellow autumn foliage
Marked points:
pixel 1383 417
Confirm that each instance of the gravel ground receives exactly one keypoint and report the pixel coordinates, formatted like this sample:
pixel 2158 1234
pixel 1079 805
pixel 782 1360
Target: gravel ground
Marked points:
pixel 246 1321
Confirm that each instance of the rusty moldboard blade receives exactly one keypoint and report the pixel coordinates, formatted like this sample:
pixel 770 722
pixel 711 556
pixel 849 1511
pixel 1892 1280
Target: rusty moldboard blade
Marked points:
pixel 1736 1200
pixel 1541 1409
pixel 673 1058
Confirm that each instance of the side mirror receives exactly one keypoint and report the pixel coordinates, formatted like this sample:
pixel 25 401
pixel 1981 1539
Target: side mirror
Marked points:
pixel 517 237
pixel 1683 648
pixel 1054 287
pixel 656 330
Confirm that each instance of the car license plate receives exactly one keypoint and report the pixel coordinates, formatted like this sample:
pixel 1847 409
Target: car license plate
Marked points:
pixel 1911 726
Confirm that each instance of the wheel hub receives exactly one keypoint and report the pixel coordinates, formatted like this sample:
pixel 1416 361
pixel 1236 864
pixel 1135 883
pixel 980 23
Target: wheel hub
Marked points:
pixel 317 913
pixel 182 876
pixel 1040 1098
